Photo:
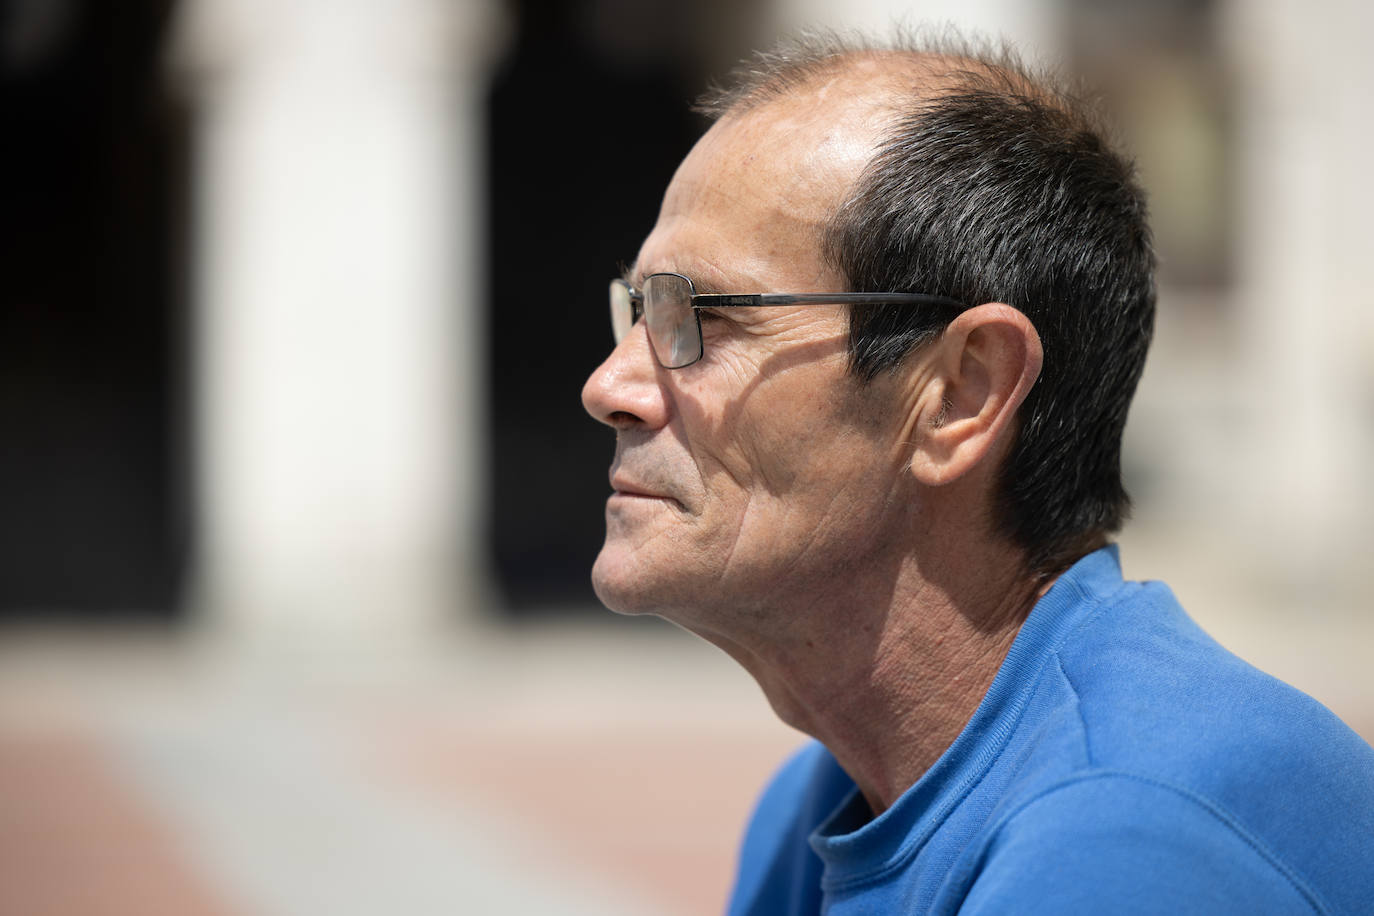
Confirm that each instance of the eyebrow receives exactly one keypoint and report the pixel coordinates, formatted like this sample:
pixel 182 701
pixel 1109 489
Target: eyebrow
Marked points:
pixel 632 275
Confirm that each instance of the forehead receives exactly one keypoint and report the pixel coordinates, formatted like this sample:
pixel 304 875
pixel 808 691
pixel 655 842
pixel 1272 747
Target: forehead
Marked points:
pixel 750 201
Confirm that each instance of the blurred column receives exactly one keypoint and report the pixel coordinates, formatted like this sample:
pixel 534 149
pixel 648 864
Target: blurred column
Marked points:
pixel 1304 306
pixel 339 321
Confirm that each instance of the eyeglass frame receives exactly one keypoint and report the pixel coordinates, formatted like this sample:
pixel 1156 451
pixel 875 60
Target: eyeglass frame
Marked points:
pixel 698 301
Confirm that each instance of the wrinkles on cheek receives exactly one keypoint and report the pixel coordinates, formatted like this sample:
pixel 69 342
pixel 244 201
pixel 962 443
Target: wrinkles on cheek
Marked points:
pixel 725 465
pixel 779 412
pixel 710 428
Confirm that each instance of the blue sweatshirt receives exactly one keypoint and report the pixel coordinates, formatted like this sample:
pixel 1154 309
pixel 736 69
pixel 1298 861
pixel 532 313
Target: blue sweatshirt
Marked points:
pixel 1121 762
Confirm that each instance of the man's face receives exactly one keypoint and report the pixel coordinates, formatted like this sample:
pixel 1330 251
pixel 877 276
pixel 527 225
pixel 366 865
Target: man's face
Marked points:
pixel 760 473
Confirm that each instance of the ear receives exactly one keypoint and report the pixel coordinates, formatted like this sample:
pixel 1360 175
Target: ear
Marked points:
pixel 981 369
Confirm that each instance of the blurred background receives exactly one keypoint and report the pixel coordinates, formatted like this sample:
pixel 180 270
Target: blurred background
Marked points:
pixel 298 501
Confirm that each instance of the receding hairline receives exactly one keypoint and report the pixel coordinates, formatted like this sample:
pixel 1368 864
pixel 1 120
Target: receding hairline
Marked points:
pixel 916 63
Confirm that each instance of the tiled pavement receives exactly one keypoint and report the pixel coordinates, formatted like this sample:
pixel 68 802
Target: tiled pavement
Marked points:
pixel 562 775
pixel 75 840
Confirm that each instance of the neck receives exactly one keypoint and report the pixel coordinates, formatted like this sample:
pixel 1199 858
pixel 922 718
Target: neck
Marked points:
pixel 887 685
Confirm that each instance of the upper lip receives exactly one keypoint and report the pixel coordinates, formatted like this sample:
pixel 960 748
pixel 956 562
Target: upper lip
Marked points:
pixel 632 489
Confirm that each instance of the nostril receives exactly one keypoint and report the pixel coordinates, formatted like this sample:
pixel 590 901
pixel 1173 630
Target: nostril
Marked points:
pixel 622 418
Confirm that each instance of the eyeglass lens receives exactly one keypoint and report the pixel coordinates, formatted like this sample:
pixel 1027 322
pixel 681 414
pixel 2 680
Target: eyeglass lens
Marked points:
pixel 622 310
pixel 673 327
pixel 673 330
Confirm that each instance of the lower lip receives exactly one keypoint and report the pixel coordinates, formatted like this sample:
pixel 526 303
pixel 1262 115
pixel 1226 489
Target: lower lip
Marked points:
pixel 621 495
pixel 618 496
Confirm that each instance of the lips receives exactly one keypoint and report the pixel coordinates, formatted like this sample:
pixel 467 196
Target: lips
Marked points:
pixel 644 472
pixel 627 488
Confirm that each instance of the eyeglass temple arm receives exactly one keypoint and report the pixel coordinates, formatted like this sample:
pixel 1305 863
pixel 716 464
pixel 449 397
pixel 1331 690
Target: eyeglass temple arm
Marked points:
pixel 703 300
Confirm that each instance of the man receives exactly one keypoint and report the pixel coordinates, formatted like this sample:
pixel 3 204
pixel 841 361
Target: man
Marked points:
pixel 893 509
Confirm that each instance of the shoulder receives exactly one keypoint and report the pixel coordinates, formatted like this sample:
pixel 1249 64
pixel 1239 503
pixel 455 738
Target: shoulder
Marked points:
pixel 1189 755
pixel 1132 845
pixel 1153 694
pixel 1153 691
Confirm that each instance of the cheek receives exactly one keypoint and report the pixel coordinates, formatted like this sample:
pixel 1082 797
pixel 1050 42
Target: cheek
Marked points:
pixel 721 432
pixel 788 434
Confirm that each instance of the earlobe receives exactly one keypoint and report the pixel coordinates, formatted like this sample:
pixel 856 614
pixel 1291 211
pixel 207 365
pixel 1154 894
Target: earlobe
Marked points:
pixel 985 364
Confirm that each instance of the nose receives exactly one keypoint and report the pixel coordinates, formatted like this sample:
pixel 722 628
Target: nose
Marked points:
pixel 627 389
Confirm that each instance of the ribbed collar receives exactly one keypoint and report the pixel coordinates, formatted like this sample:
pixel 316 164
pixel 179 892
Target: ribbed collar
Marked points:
pixel 888 841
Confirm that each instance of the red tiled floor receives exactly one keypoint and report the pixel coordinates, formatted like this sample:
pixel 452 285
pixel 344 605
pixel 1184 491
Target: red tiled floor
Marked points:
pixel 75 842
pixel 660 812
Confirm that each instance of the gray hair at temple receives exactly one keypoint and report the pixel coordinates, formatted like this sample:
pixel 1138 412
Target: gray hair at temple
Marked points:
pixel 996 184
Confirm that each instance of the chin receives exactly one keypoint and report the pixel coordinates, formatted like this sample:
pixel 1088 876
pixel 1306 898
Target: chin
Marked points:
pixel 629 587
pixel 615 586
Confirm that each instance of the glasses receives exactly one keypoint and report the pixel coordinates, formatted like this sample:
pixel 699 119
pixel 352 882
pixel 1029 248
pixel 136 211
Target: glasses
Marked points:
pixel 669 304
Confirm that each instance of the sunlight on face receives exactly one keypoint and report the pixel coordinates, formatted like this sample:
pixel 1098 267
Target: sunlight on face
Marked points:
pixel 758 471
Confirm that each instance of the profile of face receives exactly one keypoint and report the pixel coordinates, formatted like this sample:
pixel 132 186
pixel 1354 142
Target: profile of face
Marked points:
pixel 755 477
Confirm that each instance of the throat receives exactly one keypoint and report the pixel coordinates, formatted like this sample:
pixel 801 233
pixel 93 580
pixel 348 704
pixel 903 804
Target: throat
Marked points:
pixel 897 706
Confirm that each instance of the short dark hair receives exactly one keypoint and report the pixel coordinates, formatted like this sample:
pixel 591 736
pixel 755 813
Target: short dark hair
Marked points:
pixel 998 185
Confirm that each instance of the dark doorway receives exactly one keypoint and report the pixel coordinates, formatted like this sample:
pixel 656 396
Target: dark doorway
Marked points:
pixel 93 509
